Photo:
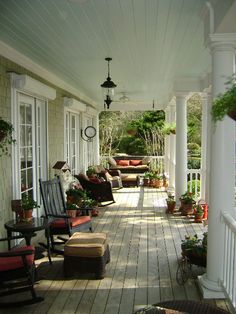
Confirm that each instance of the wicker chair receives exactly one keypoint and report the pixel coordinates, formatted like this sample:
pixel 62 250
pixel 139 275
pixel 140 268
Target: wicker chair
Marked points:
pixel 101 192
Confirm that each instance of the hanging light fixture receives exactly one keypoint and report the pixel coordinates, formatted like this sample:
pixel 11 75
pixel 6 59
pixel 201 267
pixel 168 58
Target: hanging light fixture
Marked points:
pixel 108 86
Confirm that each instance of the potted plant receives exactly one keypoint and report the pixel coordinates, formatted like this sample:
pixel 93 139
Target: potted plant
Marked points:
pixel 91 172
pixel 225 104
pixel 170 201
pixel 6 130
pixel 75 196
pixel 146 178
pixel 71 209
pixel 187 202
pixel 28 204
pixel 195 249
pixel 198 213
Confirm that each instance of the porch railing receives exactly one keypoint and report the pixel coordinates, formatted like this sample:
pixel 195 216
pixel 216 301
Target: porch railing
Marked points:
pixel 194 177
pixel 228 280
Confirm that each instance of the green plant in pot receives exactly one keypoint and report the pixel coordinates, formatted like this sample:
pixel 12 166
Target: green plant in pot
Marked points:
pixel 187 202
pixel 75 196
pixel 91 171
pixel 71 209
pixel 225 104
pixel 170 201
pixel 198 213
pixel 6 130
pixel 27 205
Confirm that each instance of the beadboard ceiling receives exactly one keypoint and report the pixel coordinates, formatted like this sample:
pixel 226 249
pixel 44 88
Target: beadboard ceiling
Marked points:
pixel 152 43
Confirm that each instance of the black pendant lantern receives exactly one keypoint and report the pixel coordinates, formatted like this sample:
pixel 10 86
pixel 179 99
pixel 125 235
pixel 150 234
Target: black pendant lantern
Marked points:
pixel 108 87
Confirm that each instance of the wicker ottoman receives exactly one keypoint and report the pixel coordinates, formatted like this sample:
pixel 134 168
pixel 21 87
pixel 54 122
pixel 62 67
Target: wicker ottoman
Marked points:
pixel 86 253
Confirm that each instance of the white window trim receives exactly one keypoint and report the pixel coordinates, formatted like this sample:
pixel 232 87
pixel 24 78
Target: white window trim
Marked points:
pixel 24 84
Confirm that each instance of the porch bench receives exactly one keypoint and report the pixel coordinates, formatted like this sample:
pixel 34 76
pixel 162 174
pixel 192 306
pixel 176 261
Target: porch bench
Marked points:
pixel 129 164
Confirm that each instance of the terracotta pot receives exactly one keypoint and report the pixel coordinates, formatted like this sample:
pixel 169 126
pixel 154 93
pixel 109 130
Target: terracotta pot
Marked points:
pixel 146 182
pixel 186 208
pixel 71 213
pixel 198 217
pixel 170 207
pixel 27 214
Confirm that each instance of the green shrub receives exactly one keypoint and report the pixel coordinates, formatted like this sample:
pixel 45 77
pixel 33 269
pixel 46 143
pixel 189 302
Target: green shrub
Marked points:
pixel 194 163
pixel 195 186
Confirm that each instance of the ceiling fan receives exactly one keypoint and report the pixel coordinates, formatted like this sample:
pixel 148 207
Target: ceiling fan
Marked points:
pixel 126 99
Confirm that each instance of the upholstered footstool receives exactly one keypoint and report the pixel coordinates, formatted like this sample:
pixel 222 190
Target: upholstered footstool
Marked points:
pixel 86 253
pixel 129 180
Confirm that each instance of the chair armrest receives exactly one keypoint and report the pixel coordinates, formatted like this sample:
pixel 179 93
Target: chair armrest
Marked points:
pixel 115 173
pixel 16 253
pixel 59 216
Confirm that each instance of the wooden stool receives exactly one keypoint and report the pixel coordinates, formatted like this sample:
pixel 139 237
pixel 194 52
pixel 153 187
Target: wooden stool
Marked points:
pixel 86 253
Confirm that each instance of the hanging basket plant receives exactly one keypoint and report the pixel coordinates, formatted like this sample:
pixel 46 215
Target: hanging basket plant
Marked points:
pixel 6 139
pixel 225 104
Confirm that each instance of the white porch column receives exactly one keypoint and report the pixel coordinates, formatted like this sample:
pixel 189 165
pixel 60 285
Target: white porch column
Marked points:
pixel 167 144
pixel 181 146
pixel 96 141
pixel 172 138
pixel 205 149
pixel 221 192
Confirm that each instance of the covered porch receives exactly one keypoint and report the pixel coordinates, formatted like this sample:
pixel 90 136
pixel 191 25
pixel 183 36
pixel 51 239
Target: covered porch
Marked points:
pixel 145 249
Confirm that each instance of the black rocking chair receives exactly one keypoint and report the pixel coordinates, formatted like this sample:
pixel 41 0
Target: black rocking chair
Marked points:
pixel 55 210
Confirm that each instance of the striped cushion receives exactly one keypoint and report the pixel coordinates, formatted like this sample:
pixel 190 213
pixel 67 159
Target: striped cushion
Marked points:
pixel 86 244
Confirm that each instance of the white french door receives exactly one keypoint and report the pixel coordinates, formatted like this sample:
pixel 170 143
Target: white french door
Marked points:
pixel 72 130
pixel 30 156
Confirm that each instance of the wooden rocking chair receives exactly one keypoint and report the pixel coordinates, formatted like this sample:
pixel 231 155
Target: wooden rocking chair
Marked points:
pixel 55 210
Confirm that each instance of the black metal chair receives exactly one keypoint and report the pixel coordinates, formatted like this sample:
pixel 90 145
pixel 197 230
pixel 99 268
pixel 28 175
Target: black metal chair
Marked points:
pixel 17 274
pixel 55 210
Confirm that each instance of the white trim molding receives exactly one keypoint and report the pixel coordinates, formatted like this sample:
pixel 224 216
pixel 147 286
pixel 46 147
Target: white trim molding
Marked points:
pixel 27 84
pixel 74 104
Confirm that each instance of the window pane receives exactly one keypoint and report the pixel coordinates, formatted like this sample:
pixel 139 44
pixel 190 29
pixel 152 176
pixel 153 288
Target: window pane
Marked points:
pixel 29 135
pixel 22 136
pixel 28 114
pixel 30 178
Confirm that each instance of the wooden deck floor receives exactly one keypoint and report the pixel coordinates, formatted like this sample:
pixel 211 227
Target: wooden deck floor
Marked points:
pixel 144 245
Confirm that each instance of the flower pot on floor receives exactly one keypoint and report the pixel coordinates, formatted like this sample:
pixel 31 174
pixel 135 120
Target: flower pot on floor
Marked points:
pixel 170 207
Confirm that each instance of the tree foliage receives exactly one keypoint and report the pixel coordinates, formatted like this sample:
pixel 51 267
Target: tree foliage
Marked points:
pixel 115 135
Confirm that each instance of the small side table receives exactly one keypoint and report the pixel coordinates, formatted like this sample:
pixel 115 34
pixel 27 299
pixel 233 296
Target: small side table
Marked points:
pixel 28 229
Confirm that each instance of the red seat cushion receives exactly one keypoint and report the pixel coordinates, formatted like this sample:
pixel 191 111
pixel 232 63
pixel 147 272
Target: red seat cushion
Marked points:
pixel 135 162
pixel 61 223
pixel 95 180
pixel 123 163
pixel 15 262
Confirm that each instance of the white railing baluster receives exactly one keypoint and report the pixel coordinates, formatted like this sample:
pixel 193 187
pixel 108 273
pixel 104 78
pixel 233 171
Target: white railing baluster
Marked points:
pixel 228 274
